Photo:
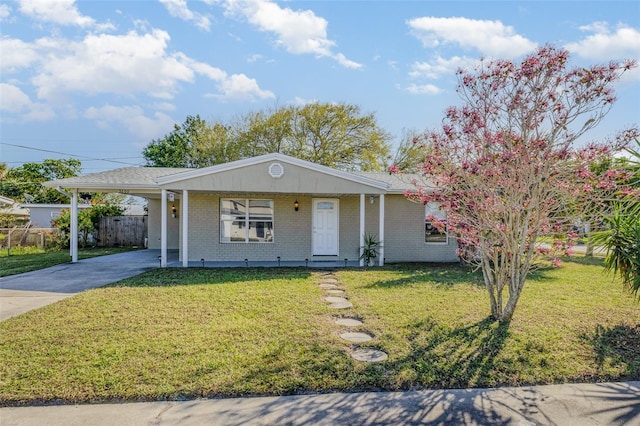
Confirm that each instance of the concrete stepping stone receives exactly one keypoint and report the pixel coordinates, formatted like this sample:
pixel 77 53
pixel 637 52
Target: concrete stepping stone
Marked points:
pixel 330 280
pixel 356 337
pixel 341 305
pixel 327 286
pixel 369 355
pixel 336 292
pixel 335 299
pixel 348 322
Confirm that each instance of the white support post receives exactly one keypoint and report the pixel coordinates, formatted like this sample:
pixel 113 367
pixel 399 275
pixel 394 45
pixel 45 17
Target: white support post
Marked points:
pixel 163 230
pixel 381 231
pixel 185 228
pixel 362 205
pixel 73 241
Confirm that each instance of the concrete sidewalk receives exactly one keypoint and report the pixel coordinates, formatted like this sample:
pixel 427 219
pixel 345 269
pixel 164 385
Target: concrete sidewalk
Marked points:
pixel 577 404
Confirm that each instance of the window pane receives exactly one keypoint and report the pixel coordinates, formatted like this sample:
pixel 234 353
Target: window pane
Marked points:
pixel 233 208
pixel 236 214
pixel 433 209
pixel 232 231
pixel 431 233
pixel 325 205
pixel 260 232
pixel 260 210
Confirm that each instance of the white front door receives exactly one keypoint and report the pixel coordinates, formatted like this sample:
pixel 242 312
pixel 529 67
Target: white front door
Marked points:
pixel 325 227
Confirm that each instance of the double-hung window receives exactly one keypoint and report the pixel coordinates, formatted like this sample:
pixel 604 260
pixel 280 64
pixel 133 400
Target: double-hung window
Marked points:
pixel 431 234
pixel 246 220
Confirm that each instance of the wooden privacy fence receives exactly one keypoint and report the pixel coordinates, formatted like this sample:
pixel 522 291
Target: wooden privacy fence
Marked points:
pixel 122 231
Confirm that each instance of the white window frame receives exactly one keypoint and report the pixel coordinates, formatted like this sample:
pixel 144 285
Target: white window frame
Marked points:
pixel 247 220
pixel 433 209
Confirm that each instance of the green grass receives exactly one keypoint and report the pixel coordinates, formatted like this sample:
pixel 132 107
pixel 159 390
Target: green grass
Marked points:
pixel 178 333
pixel 25 259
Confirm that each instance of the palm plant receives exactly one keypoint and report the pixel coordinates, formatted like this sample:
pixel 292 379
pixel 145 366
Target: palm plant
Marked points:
pixel 622 238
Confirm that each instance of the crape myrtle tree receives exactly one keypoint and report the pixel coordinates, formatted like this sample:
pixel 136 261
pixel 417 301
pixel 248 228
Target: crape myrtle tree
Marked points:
pixel 504 167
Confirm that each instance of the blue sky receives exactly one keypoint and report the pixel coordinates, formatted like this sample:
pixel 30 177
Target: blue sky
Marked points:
pixel 101 79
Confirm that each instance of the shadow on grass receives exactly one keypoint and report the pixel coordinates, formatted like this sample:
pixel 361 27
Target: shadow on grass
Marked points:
pixel 198 276
pixel 617 346
pixel 454 358
pixel 445 274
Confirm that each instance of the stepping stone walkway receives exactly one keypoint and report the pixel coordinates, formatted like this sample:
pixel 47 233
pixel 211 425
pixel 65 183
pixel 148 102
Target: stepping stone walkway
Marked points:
pixel 334 299
pixel 341 305
pixel 329 283
pixel 327 286
pixel 369 355
pixel 348 322
pixel 356 337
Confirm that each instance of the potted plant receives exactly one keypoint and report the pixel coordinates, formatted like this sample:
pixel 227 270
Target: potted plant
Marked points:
pixel 370 249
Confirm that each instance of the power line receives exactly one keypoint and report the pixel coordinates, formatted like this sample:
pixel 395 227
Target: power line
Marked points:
pixel 73 155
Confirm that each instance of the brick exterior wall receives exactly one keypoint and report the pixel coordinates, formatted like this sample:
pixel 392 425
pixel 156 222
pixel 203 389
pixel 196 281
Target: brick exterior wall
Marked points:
pixel 404 231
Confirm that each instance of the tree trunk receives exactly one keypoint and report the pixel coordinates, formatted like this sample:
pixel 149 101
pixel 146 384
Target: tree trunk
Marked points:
pixel 495 286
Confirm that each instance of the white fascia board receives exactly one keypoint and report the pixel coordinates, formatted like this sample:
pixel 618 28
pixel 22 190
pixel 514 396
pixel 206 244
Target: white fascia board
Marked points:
pixel 52 206
pixel 219 168
pixel 99 187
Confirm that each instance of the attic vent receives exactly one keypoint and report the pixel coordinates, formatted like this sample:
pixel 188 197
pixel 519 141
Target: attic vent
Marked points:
pixel 276 170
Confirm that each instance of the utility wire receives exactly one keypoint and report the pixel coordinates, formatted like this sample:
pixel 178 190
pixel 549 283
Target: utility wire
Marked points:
pixel 72 155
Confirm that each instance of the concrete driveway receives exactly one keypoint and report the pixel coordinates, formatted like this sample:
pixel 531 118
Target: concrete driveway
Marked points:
pixel 31 290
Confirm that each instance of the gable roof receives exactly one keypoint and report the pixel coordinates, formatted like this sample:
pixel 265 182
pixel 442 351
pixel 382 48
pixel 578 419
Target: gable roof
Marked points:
pixel 147 180
pixel 7 201
pixel 220 168
pixel 397 183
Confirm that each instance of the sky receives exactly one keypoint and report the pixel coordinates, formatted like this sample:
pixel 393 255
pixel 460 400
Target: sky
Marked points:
pixel 99 80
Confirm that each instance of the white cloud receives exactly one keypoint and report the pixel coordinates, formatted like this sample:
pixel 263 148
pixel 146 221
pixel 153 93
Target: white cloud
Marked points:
pixel 179 9
pixel 133 118
pixel 298 101
pixel 130 64
pixel 240 87
pixel 62 12
pixel 17 104
pixel 605 45
pixel 120 64
pixel 440 66
pixel 5 11
pixel 491 38
pixel 16 54
pixel 342 60
pixel 299 32
pixel 165 106
pixel 254 58
pixel 425 89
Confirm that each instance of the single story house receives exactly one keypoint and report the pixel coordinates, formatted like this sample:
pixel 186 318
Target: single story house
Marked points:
pixel 274 207
pixel 42 215
pixel 12 210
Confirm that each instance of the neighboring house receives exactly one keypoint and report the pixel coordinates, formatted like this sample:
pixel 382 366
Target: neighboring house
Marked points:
pixel 12 210
pixel 43 214
pixel 272 206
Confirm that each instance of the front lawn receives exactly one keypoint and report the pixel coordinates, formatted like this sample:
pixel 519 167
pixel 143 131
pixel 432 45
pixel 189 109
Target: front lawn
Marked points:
pixel 25 259
pixel 178 333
